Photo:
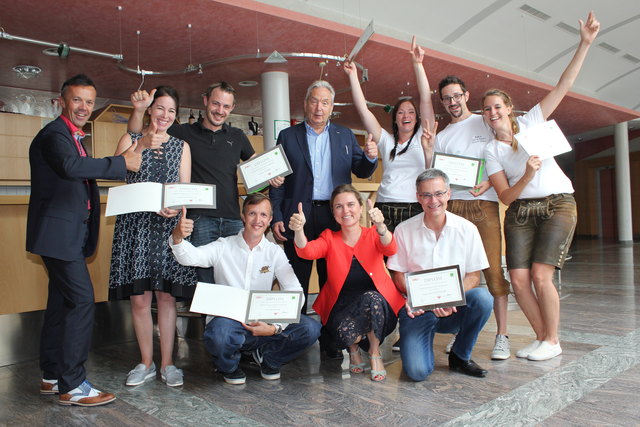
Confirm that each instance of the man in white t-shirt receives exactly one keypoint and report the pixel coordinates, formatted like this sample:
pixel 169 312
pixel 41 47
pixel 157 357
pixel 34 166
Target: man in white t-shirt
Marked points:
pixel 467 135
pixel 437 238
pixel 247 261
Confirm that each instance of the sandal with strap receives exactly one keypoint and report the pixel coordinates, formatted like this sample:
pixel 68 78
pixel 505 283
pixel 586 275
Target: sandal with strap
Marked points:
pixel 355 368
pixel 377 375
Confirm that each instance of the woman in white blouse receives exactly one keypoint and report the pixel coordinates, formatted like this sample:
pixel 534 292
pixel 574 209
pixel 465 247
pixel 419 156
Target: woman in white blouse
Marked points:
pixel 541 217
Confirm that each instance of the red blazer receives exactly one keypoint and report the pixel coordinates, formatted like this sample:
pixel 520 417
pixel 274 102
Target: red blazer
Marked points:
pixel 368 251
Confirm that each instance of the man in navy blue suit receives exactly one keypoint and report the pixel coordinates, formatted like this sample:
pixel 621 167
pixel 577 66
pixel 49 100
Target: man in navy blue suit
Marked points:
pixel 322 155
pixel 62 227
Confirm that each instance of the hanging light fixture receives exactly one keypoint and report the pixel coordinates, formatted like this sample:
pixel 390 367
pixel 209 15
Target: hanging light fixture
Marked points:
pixel 27 71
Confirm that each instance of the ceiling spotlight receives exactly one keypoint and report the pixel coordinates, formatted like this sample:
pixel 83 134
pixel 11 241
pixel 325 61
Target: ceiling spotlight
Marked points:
pixel 248 83
pixel 27 71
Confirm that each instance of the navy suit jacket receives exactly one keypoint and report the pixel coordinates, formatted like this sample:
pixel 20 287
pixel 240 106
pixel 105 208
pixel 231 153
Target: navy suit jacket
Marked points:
pixel 346 157
pixel 61 184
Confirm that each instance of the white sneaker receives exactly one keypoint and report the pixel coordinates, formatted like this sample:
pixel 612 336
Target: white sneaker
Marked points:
pixel 524 352
pixel 501 350
pixel 545 351
pixel 447 349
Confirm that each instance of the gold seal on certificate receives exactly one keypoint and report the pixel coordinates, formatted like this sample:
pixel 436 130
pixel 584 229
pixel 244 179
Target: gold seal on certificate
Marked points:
pixel 153 196
pixel 435 288
pixel 247 306
pixel 258 171
pixel 463 172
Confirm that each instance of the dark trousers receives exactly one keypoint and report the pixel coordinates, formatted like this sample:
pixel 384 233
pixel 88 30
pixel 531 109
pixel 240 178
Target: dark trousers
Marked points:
pixel 68 322
pixel 320 219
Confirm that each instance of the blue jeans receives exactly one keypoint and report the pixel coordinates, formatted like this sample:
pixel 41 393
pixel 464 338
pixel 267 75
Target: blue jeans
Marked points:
pixel 225 339
pixel 207 229
pixel 416 346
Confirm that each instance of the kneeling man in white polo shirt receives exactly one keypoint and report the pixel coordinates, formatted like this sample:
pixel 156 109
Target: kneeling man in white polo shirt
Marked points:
pixel 247 261
pixel 437 238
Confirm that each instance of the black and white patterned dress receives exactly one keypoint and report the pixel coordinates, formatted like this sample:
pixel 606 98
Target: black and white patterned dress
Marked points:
pixel 141 259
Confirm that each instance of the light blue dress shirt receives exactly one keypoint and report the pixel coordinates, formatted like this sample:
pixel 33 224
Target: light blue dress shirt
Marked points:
pixel 320 152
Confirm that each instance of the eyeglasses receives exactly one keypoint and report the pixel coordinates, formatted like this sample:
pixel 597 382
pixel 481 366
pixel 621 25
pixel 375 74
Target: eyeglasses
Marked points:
pixel 438 195
pixel 456 97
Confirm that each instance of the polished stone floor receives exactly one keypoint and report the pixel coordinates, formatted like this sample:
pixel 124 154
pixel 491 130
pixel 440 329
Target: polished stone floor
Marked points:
pixel 596 381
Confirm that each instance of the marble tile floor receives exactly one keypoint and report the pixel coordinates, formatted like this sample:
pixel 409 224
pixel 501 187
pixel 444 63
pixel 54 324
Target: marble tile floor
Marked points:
pixel 595 381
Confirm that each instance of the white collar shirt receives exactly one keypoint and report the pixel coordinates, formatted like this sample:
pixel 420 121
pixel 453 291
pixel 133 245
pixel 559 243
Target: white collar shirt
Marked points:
pixel 420 249
pixel 235 264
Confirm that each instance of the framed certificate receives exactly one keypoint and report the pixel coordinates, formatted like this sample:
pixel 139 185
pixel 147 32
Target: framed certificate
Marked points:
pixel 247 306
pixel 463 172
pixel 435 288
pixel 258 171
pixel 153 196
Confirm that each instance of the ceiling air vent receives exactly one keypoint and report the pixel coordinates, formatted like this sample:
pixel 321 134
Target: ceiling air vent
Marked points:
pixel 568 28
pixel 609 48
pixel 631 58
pixel 534 12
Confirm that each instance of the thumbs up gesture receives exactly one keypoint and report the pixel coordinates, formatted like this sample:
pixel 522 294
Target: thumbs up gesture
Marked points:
pixel 153 138
pixel 132 157
pixel 370 148
pixel 375 214
pixel 141 99
pixel 183 229
pixel 297 221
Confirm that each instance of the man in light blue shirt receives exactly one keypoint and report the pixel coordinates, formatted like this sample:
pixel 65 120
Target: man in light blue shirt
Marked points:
pixel 322 155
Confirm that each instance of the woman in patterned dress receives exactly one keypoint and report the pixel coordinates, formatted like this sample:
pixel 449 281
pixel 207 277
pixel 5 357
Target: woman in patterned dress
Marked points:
pixel 141 263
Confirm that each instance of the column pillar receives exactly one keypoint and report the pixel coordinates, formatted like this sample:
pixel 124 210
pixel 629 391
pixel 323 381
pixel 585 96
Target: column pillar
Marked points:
pixel 623 183
pixel 275 105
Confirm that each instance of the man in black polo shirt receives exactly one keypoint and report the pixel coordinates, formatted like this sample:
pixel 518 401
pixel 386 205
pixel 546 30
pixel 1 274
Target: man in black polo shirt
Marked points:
pixel 216 150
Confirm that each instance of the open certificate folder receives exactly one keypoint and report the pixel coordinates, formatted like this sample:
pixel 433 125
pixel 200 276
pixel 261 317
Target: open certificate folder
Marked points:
pixel 247 306
pixel 257 172
pixel 153 196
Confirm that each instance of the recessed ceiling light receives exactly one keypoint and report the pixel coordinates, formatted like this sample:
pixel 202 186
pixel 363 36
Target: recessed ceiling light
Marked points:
pixel 27 71
pixel 52 51
pixel 248 83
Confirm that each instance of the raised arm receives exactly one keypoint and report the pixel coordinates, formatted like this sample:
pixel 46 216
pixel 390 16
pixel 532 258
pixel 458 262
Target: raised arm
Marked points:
pixel 427 114
pixel 588 32
pixel 140 101
pixel 370 122
pixel 296 223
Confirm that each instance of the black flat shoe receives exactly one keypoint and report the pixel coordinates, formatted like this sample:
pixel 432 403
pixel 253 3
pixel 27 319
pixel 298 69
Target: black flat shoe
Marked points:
pixel 467 367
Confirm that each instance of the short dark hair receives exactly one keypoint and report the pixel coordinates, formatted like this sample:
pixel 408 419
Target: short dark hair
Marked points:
pixel 254 199
pixel 77 80
pixel 170 92
pixel 224 86
pixel 450 80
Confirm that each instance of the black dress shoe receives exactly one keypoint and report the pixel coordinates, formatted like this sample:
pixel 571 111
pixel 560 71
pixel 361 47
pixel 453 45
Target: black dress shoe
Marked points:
pixel 468 367
pixel 332 353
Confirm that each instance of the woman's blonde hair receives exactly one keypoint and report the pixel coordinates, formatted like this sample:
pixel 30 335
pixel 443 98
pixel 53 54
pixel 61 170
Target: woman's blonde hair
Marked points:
pixel 509 103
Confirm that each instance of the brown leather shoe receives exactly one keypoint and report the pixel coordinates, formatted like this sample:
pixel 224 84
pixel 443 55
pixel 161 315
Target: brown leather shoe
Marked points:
pixel 86 395
pixel 48 388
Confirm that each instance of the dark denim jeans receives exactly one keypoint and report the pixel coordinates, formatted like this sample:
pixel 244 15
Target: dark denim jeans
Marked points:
pixel 207 229
pixel 225 339
pixel 416 346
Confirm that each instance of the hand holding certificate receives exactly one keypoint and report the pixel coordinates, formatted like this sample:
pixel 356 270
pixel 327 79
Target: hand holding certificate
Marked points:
pixel 435 288
pixel 544 140
pixel 463 172
pixel 257 172
pixel 247 306
pixel 153 196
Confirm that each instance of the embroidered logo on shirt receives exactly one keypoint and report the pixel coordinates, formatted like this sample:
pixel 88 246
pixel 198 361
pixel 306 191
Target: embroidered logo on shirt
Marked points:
pixel 265 269
pixel 230 143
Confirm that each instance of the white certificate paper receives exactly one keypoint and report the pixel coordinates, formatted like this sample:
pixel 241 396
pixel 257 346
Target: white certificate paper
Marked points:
pixel 463 172
pixel 153 196
pixel 435 288
pixel 247 306
pixel 544 140
pixel 258 171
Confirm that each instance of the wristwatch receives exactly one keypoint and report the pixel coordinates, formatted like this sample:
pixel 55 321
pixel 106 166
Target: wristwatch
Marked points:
pixel 278 328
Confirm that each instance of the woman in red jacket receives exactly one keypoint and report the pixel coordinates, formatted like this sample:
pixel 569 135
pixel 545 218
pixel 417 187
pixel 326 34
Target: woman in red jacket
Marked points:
pixel 359 303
